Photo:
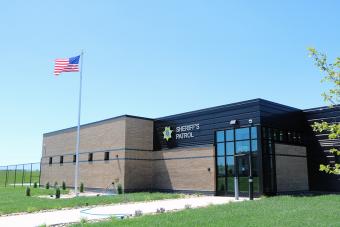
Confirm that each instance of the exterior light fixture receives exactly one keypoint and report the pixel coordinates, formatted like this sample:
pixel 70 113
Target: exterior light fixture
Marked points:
pixel 233 122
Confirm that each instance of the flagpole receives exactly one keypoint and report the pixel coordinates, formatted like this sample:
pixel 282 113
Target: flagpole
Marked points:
pixel 78 127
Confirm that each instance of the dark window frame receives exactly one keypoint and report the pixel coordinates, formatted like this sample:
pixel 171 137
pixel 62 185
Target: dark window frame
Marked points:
pixel 90 157
pixel 61 159
pixel 50 161
pixel 106 156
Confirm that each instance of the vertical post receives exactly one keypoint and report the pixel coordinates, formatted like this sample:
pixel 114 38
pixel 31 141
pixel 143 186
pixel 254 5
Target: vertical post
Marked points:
pixel 251 184
pixel 31 175
pixel 236 179
pixel 78 127
pixel 15 175
pixel 6 177
pixel 23 175
pixel 40 172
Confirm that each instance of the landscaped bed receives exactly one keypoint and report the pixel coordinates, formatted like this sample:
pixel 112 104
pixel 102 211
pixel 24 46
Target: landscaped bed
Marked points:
pixel 274 211
pixel 14 200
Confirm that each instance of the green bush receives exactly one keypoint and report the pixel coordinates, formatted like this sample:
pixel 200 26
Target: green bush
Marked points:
pixel 28 191
pixel 57 193
pixel 63 186
pixel 119 189
pixel 47 185
pixel 55 184
pixel 81 187
pixel 35 185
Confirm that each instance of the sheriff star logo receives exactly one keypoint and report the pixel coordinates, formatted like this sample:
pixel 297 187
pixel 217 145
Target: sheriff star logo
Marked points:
pixel 167 133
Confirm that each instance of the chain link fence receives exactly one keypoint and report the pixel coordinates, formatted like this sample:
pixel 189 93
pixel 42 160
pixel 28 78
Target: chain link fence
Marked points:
pixel 20 175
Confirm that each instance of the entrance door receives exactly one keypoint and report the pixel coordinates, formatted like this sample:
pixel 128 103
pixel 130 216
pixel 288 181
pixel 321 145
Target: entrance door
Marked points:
pixel 242 173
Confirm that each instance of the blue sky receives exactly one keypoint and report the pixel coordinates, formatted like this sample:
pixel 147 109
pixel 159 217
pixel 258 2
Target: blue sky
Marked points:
pixel 152 59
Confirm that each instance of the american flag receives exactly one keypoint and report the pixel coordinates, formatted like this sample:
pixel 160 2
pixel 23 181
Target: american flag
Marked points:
pixel 66 65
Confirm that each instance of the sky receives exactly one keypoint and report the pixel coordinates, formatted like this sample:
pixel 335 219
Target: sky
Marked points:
pixel 153 59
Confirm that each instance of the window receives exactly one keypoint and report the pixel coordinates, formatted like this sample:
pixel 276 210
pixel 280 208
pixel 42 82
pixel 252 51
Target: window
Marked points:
pixel 107 156
pixel 230 148
pixel 61 159
pixel 220 136
pixel 230 135
pixel 253 132
pixel 221 166
pixel 74 158
pixel 90 157
pixel 242 147
pixel 242 133
pixel 50 161
pixel 220 149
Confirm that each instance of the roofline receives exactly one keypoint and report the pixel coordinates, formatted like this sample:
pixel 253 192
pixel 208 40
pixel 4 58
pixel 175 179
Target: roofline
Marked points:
pixel 95 123
pixel 320 108
pixel 259 100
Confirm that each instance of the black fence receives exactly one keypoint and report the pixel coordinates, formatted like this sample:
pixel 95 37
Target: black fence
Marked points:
pixel 20 175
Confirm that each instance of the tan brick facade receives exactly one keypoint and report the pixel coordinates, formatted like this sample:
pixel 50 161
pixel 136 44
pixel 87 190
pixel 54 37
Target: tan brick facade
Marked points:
pixel 133 162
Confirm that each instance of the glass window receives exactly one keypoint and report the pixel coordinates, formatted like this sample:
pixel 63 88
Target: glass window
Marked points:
pixel 231 187
pixel 230 165
pixel 242 133
pixel 267 148
pixel 220 166
pixel 50 160
pixel 253 132
pixel 61 159
pixel 230 135
pixel 281 136
pixel 254 146
pixel 242 146
pixel 107 156
pixel 74 158
pixel 230 148
pixel 220 136
pixel 90 159
pixel 221 184
pixel 220 149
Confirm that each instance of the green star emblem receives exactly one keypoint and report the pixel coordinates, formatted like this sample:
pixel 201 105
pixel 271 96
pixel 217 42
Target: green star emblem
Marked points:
pixel 167 133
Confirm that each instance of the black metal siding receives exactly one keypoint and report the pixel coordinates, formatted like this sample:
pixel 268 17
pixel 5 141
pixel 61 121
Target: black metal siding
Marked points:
pixel 210 120
pixel 318 147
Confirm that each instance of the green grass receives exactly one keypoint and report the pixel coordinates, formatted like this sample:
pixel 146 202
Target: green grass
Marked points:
pixel 13 200
pixel 275 211
pixel 18 177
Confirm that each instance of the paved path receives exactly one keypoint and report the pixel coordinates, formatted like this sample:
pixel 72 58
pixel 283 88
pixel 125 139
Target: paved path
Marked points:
pixel 101 212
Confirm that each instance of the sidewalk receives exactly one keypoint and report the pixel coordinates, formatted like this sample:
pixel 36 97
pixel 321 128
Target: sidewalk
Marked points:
pixel 101 212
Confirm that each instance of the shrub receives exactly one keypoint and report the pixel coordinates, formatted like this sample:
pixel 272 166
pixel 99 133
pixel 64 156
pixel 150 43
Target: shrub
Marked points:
pixel 81 187
pixel 119 189
pixel 28 191
pixel 55 184
pixel 47 185
pixel 35 185
pixel 63 185
pixel 138 213
pixel 57 193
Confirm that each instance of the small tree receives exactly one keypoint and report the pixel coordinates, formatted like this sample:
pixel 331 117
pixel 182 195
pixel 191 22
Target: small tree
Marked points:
pixel 332 71
pixel 63 185
pixel 119 189
pixel 35 185
pixel 28 191
pixel 47 186
pixel 81 187
pixel 57 193
pixel 55 184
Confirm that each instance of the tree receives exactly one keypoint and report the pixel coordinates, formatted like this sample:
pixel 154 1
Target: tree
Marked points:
pixel 332 97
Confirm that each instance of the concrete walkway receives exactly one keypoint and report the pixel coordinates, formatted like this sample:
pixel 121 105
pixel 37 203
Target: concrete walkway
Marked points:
pixel 102 212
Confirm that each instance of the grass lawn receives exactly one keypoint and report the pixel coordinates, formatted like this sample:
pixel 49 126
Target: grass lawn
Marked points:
pixel 13 200
pixel 274 211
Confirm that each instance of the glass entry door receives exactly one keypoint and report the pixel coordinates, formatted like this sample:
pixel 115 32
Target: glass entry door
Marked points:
pixel 233 147
pixel 242 173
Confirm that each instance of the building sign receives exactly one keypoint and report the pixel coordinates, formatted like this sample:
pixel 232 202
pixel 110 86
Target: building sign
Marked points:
pixel 182 132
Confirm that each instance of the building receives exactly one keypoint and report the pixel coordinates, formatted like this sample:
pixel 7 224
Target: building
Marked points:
pixel 199 151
